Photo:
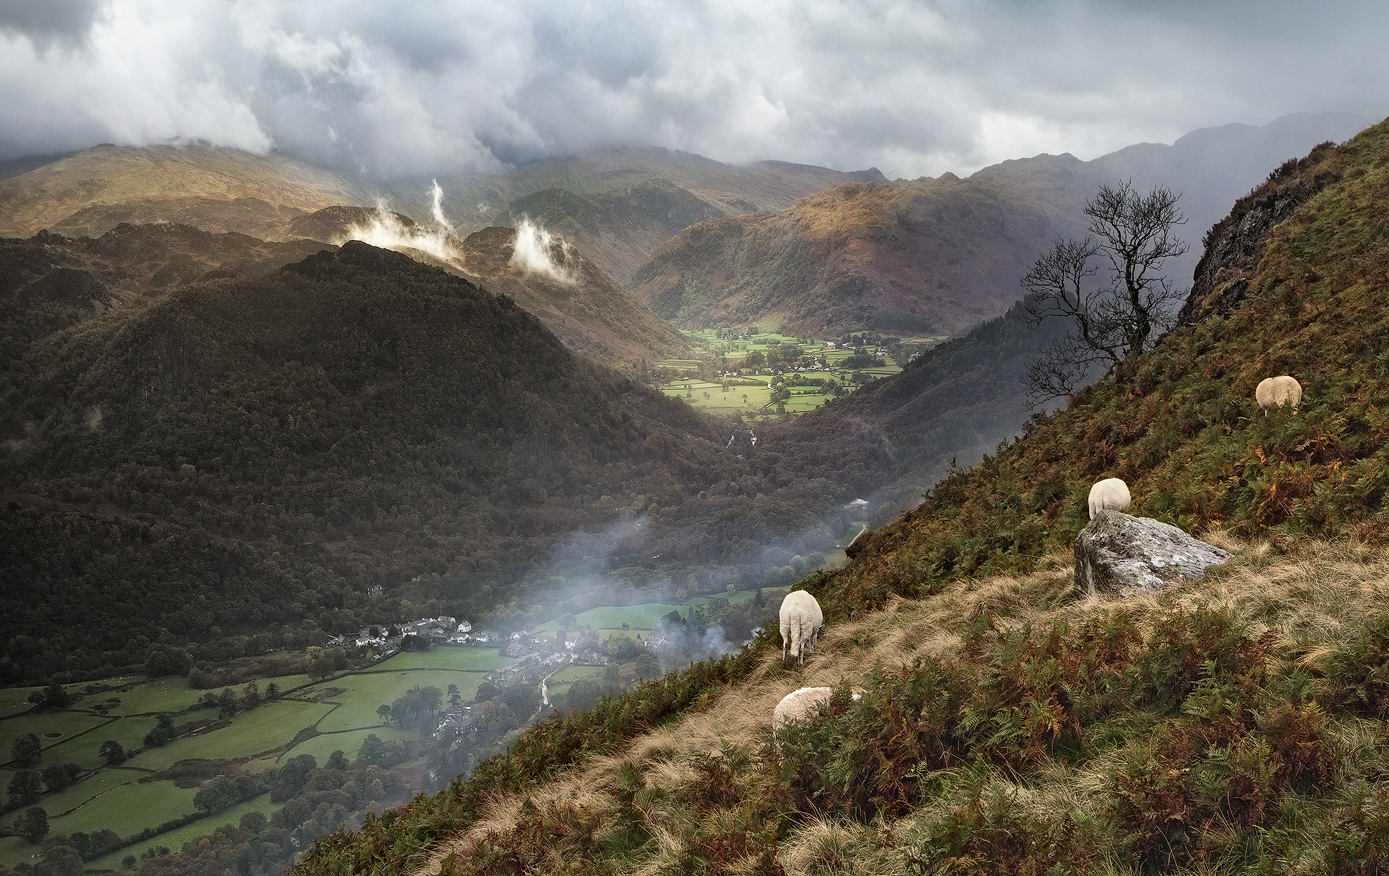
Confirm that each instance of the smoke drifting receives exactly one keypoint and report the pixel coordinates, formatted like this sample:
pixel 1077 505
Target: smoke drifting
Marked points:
pixel 437 210
pixel 540 252
pixel 389 231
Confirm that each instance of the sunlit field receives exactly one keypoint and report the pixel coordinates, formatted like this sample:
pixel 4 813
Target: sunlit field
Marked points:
pixel 750 393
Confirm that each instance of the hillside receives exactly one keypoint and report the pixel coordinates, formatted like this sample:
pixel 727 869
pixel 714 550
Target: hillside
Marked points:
pixel 618 230
pixel 556 282
pixel 49 282
pixel 241 456
pixel 577 300
pixel 1235 725
pixel 214 188
pixel 926 256
pixel 939 255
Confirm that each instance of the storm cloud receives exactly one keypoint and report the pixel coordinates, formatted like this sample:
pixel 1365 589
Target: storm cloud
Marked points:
pixel 912 87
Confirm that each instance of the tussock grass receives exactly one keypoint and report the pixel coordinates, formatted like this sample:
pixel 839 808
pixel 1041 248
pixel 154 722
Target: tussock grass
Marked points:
pixel 709 793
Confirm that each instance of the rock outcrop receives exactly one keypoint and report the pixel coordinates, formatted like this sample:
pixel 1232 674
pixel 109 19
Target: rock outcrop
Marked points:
pixel 1120 555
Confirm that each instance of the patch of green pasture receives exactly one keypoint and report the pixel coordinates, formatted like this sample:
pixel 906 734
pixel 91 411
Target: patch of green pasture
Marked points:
pixel 15 701
pixel 645 616
pixel 14 851
pixel 171 695
pixel 571 674
pixel 365 692
pixel 463 658
pixel 85 750
pixel 79 793
pixel 175 839
pixel 348 742
pixel 128 809
pixel 272 725
pixel 64 724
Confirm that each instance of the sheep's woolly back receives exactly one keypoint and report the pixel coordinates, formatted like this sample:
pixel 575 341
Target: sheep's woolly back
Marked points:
pixel 800 624
pixel 1110 494
pixel 803 703
pixel 1275 392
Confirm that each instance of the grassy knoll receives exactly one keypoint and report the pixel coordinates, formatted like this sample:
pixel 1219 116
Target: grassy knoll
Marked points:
pixel 270 726
pixel 52 728
pixel 14 850
pixel 174 839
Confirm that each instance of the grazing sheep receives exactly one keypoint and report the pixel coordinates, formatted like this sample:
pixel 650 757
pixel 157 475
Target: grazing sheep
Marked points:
pixel 1110 494
pixel 1275 392
pixel 800 624
pixel 802 703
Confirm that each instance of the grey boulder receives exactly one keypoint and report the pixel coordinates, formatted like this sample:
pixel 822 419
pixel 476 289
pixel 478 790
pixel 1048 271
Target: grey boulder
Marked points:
pixel 1120 555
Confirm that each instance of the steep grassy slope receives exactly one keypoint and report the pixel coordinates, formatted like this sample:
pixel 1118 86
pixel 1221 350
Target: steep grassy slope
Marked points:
pixel 1235 725
pixel 943 254
pixel 217 189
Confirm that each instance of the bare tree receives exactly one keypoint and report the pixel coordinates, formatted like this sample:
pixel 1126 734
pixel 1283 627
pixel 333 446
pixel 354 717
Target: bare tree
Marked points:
pixel 1112 321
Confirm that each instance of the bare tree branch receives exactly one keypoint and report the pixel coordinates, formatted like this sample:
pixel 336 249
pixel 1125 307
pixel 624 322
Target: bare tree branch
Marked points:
pixel 1134 234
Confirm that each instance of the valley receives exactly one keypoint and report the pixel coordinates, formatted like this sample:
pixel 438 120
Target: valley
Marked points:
pixel 623 417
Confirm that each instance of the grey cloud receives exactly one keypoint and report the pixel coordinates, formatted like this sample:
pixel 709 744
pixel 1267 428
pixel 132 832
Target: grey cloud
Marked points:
pixel 46 22
pixel 912 87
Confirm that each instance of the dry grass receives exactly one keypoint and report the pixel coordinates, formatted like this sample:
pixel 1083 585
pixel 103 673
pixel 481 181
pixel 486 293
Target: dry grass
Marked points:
pixel 1307 590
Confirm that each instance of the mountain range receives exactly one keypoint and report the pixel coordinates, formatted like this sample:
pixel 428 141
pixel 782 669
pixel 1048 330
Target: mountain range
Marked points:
pixel 938 255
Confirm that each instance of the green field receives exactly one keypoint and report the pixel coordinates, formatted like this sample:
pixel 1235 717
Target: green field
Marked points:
pixel 461 658
pixel 349 742
pixel 175 839
pixel 753 400
pixel 128 808
pixel 52 728
pixel 14 700
pixel 639 618
pixel 162 695
pixel 365 692
pixel 270 726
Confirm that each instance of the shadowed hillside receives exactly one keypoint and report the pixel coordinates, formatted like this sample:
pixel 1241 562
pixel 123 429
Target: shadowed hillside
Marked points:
pixel 552 279
pixel 1233 725
pixel 242 454
pixel 49 282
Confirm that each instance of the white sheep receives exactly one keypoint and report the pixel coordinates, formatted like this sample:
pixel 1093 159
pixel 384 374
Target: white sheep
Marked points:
pixel 1275 392
pixel 1110 494
pixel 803 703
pixel 800 624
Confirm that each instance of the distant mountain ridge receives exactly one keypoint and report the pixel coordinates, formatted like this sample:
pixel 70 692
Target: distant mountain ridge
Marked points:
pixel 215 188
pixel 934 255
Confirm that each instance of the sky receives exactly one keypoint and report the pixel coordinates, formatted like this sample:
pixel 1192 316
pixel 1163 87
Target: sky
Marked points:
pixel 912 87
